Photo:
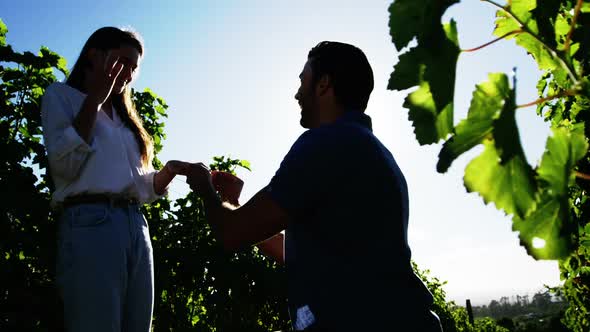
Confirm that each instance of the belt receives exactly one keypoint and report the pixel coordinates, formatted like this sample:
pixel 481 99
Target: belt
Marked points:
pixel 113 200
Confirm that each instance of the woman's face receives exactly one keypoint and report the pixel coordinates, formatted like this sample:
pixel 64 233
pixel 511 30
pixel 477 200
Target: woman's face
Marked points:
pixel 130 58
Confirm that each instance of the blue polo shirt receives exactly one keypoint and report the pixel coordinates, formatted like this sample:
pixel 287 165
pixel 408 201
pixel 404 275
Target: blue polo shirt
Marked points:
pixel 346 251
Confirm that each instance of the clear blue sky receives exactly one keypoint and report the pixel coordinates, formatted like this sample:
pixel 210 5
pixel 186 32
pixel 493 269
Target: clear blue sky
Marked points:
pixel 229 71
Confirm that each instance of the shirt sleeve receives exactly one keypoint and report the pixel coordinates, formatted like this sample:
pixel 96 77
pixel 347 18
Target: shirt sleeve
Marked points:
pixel 66 150
pixel 297 185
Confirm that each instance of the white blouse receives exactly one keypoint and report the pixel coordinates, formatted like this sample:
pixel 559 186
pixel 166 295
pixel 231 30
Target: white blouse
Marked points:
pixel 110 164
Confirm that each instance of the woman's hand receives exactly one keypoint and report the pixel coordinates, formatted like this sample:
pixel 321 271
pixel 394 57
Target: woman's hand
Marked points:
pixel 177 167
pixel 106 67
pixel 101 80
pixel 163 178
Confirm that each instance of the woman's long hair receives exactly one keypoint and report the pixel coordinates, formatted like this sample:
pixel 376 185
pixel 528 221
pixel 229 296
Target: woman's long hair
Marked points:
pixel 105 39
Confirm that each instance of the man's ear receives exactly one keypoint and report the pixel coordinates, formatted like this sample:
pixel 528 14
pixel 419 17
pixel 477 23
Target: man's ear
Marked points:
pixel 323 85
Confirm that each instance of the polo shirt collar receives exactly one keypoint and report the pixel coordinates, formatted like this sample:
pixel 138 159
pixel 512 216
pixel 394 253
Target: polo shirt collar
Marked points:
pixel 357 117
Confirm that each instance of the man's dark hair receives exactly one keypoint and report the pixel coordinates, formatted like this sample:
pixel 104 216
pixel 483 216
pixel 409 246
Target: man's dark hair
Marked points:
pixel 348 69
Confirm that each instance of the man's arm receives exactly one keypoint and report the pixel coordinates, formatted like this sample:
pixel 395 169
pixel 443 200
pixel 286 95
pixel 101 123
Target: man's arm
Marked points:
pixel 274 248
pixel 259 219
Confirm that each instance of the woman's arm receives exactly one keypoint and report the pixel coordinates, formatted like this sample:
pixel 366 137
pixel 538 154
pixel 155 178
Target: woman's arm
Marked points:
pixel 163 177
pixel 67 151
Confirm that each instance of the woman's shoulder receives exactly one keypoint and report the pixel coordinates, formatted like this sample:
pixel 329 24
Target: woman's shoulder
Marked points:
pixel 62 88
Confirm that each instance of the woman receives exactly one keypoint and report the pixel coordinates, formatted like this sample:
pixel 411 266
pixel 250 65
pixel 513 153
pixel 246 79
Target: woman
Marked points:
pixel 100 160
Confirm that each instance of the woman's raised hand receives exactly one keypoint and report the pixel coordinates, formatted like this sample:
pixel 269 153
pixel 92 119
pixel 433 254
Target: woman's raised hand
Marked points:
pixel 106 67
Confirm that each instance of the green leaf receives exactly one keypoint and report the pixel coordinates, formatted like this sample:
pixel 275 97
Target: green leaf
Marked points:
pixel 508 183
pixel 245 164
pixel 411 18
pixel 550 226
pixel 546 15
pixel 430 125
pixel 408 70
pixel 431 105
pixel 486 103
pixel 551 222
pixel 442 65
pixel 522 10
pixel 563 151
pixel 3 32
pixel 501 173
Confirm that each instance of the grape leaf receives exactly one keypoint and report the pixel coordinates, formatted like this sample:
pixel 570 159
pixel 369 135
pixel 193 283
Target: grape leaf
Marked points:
pixel 486 103
pixel 411 18
pixel 406 73
pixel 431 105
pixel 546 16
pixel 563 150
pixel 522 10
pixel 551 221
pixel 501 173
pixel 509 184
pixel 430 125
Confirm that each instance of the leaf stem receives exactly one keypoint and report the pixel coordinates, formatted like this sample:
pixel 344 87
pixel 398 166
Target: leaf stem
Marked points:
pixel 493 41
pixel 553 52
pixel 494 3
pixel 548 98
pixel 582 175
pixel 568 38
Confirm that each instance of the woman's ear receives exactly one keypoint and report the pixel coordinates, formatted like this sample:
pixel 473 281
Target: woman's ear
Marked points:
pixel 95 57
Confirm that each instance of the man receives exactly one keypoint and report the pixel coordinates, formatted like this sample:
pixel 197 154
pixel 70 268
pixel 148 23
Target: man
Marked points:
pixel 343 203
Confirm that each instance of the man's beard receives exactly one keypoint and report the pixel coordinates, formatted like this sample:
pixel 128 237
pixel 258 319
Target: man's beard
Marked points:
pixel 307 111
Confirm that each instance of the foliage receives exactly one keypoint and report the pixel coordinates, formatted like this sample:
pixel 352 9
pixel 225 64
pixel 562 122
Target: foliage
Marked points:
pixel 548 202
pixel 541 303
pixel 453 318
pixel 27 227
pixel 228 164
pixel 540 313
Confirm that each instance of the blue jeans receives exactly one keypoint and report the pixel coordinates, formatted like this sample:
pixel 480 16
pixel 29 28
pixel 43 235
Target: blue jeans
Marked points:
pixel 105 269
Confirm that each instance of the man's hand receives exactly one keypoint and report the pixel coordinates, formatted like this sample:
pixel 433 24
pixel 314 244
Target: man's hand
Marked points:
pixel 228 186
pixel 198 177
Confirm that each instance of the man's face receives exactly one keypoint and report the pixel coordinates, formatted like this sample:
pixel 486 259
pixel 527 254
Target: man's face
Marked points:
pixel 305 96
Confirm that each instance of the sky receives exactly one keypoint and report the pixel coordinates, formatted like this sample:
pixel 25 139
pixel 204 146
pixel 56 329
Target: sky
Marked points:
pixel 229 71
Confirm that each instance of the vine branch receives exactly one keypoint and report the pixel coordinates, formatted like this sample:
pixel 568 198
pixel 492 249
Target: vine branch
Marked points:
pixel 493 41
pixel 568 38
pixel 553 52
pixel 548 98
pixel 582 175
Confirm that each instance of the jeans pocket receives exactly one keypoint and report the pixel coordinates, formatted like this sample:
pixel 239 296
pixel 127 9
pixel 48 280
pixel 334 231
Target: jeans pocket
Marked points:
pixel 89 215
